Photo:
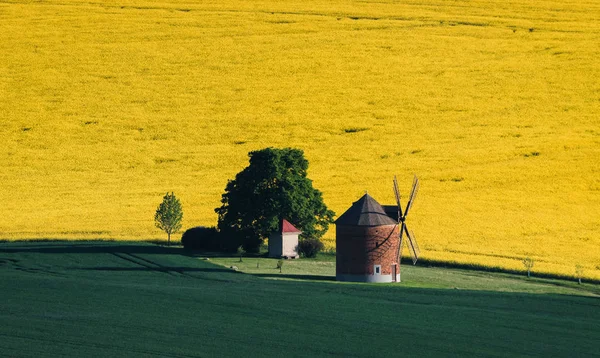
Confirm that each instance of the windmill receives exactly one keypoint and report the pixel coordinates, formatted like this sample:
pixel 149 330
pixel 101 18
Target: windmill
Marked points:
pixel 411 242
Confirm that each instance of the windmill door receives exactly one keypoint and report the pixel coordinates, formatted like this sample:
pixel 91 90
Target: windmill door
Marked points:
pixel 394 267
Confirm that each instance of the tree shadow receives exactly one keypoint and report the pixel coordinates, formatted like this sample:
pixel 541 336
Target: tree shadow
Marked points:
pixel 110 247
pixel 178 269
pixel 73 247
pixel 295 277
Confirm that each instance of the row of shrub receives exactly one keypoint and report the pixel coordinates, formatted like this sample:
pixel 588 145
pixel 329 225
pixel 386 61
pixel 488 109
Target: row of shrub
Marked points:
pixel 309 247
pixel 204 238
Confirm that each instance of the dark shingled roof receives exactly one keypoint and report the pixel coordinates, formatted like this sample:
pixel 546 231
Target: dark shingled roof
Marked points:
pixel 365 212
pixel 391 211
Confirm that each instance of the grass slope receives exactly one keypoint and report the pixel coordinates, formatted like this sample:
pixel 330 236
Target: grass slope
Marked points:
pixel 323 269
pixel 107 105
pixel 117 299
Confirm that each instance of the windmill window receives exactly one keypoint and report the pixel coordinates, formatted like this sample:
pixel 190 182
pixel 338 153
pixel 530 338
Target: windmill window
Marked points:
pixel 377 269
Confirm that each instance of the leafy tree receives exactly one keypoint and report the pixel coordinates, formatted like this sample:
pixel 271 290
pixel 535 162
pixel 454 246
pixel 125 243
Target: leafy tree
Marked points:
pixel 168 215
pixel 273 186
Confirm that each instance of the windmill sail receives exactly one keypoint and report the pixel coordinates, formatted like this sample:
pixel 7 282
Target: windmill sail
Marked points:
pixel 401 246
pixel 411 242
pixel 413 195
pixel 397 194
pixel 413 248
pixel 415 244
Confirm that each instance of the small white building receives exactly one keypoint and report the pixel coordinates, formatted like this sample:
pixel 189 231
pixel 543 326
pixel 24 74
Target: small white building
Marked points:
pixel 284 242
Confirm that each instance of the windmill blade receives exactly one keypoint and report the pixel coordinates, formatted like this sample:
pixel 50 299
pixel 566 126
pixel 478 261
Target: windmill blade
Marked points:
pixel 413 195
pixel 414 190
pixel 401 246
pixel 397 193
pixel 415 244
pixel 413 249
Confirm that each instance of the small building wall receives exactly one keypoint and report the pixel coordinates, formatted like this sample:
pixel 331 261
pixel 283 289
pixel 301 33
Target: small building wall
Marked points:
pixel 283 245
pixel 275 245
pixel 290 245
pixel 360 248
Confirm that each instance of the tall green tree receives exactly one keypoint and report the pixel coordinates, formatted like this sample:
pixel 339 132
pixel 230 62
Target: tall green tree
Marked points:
pixel 169 215
pixel 273 186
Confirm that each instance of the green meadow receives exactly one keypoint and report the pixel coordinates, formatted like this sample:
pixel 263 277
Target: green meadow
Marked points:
pixel 124 299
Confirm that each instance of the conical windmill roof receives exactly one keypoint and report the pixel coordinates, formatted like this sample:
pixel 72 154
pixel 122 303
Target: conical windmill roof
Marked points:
pixel 365 212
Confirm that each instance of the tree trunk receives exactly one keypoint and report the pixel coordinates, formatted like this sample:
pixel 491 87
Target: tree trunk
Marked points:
pixel 528 273
pixel 168 239
pixel 579 280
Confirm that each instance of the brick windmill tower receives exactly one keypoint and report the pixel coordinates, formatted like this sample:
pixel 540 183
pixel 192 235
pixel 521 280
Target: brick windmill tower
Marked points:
pixel 369 241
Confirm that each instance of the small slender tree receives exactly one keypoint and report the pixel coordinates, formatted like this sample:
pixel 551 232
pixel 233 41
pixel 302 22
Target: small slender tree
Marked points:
pixel 579 272
pixel 169 215
pixel 528 263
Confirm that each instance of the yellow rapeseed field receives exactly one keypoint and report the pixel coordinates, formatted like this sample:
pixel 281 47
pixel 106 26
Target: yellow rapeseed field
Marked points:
pixel 494 104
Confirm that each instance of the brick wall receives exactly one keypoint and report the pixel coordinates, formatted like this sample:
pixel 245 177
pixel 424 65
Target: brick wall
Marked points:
pixel 358 248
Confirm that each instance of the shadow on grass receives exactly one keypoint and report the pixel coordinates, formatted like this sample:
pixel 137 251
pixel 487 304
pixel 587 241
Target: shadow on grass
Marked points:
pixel 55 247
pixel 159 269
pixel 539 276
pixel 294 277
pixel 218 275
pixel 142 247
pixel 101 246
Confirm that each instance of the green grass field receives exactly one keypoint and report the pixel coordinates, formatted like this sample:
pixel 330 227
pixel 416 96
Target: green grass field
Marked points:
pixel 323 269
pixel 134 299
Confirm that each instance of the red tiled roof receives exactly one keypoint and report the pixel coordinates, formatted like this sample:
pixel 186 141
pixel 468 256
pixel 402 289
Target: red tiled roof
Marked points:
pixel 285 227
